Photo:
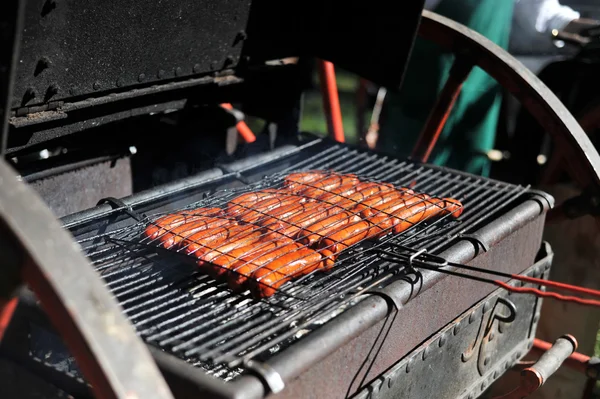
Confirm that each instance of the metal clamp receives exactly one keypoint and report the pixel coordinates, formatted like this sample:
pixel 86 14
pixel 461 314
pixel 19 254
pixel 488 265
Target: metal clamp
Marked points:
pixel 117 204
pixel 267 374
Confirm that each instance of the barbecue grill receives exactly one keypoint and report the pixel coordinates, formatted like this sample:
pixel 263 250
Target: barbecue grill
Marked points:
pixel 115 314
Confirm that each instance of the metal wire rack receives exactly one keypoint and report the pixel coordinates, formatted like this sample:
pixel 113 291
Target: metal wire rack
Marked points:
pixel 175 307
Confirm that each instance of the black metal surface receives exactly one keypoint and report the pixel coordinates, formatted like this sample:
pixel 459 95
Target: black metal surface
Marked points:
pixel 11 26
pixel 167 304
pixel 79 49
pixel 469 353
pixel 79 305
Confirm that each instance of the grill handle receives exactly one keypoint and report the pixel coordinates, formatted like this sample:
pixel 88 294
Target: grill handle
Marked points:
pixel 532 378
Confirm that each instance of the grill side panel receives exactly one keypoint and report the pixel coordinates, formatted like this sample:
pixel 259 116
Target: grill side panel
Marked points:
pixel 349 368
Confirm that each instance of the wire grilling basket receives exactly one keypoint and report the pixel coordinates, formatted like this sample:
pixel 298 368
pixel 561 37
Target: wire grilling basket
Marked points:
pixel 177 307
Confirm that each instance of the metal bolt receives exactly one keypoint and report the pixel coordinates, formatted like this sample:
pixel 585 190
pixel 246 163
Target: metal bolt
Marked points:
pixel 506 366
pixel 425 354
pixel 390 382
pixel 141 77
pixel 472 317
pixel 442 341
pixel 161 74
pixel 486 307
pixel 120 82
pixel 197 68
pixel 483 386
pixel 517 355
pixel 178 71
pixel 96 85
pixel 408 365
pixel 486 361
pixel 496 374
pixel 456 329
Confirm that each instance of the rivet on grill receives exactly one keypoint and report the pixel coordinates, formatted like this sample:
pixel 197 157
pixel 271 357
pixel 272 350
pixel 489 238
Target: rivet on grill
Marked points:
pixel 197 68
pixel 486 307
pixel 425 354
pixel 73 91
pixel 141 77
pixel 456 329
pixel 390 382
pixel 483 386
pixel 517 355
pixel 229 60
pixel 472 317
pixel 486 361
pixel 496 374
pixel 471 396
pixel 161 74
pixel 96 85
pixel 120 82
pixel 29 95
pixel 492 336
pixel 506 366
pixel 529 345
pixel 536 318
pixel 178 71
pixel 442 341
pixel 42 64
pixel 408 365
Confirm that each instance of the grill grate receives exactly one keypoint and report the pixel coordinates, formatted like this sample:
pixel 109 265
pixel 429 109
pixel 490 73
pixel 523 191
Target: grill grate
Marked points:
pixel 188 314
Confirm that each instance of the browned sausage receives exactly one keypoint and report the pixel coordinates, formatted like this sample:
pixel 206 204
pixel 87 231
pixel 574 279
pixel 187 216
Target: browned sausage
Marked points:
pixel 241 270
pixel 236 241
pixel 267 279
pixel 179 233
pixel 406 217
pixel 170 221
pixel 338 194
pixel 327 184
pixel 363 191
pixel 323 227
pixel 287 212
pixel 242 202
pixel 348 235
pixel 262 208
pixel 365 207
pixel 198 243
pixel 298 181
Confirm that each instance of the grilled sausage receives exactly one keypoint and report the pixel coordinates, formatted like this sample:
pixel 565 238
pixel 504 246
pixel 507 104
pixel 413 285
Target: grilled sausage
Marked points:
pixel 170 221
pixel 363 191
pixel 242 202
pixel 262 208
pixel 338 194
pixel 383 217
pixel 348 235
pixel 242 270
pixel 199 243
pixel 219 266
pixel 298 181
pixel 178 234
pixel 327 184
pixel 288 212
pixel 323 227
pixel 365 207
pixel 406 217
pixel 267 279
pixel 236 241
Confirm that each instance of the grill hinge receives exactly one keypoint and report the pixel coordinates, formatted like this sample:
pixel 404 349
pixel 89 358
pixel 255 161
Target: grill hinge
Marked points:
pixel 51 106
pixel 267 374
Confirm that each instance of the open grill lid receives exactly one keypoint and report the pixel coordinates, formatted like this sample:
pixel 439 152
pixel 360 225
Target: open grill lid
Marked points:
pixel 71 55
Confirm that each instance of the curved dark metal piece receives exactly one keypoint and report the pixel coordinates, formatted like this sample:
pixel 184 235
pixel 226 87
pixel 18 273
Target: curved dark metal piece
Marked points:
pixel 113 359
pixel 524 85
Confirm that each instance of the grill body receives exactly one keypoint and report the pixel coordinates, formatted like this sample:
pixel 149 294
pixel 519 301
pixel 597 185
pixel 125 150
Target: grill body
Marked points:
pixel 351 352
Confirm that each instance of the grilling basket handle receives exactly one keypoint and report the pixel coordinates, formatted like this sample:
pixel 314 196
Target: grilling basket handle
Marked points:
pixel 533 377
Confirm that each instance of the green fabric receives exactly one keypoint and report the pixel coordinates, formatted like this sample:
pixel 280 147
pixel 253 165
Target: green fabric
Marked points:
pixel 471 127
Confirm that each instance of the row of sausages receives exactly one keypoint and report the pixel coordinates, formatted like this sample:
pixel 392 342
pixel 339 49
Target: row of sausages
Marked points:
pixel 262 239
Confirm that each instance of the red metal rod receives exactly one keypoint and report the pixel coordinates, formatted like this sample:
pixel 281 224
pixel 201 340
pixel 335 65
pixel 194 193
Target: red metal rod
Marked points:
pixel 544 294
pixel 441 110
pixel 331 100
pixel 242 127
pixel 577 361
pixel 7 308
